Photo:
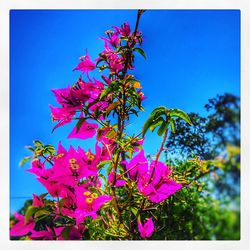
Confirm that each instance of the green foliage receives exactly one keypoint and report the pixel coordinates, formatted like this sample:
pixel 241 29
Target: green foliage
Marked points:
pixel 162 118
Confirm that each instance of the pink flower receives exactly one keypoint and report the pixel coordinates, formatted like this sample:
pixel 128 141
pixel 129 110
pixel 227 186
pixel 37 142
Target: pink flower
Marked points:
pixel 124 30
pixel 87 130
pixel 21 228
pixel 37 201
pixel 147 229
pixel 48 234
pixel 137 166
pixel 152 182
pixel 85 65
pixel 88 203
pixel 114 39
pixel 62 115
pixel 118 182
pixel 37 167
pixel 71 166
pixel 156 185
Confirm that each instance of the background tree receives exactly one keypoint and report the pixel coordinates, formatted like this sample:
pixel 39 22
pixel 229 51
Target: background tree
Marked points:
pixel 207 156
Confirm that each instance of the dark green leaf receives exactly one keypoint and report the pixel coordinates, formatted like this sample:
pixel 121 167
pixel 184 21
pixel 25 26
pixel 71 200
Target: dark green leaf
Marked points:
pixel 30 211
pixel 147 124
pixel 156 123
pixel 181 114
pixel 24 160
pixel 38 143
pixel 65 233
pixel 172 123
pixel 139 50
pixel 158 111
pixel 162 128
pixel 79 123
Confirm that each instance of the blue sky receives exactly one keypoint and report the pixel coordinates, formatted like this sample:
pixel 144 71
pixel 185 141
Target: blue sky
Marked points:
pixel 192 55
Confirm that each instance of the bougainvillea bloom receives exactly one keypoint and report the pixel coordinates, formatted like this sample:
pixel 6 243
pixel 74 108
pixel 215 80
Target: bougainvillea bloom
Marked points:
pixel 156 185
pixel 124 30
pixel 118 181
pixel 88 203
pixel 62 115
pixel 86 131
pixel 85 65
pixel 37 201
pixel 113 40
pixel 48 234
pixel 137 166
pixel 21 228
pixel 147 229
pixel 153 181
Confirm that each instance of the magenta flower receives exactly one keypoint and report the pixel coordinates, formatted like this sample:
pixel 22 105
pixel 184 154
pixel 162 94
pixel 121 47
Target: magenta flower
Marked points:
pixel 62 115
pixel 86 131
pixel 118 182
pixel 156 185
pixel 37 201
pixel 124 30
pixel 88 204
pixel 147 229
pixel 114 39
pixel 48 234
pixel 138 166
pixel 37 168
pixel 85 65
pixel 70 167
pixel 152 182
pixel 21 228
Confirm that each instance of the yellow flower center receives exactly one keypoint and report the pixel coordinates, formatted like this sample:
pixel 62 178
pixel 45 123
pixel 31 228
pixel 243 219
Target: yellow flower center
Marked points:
pixel 87 193
pixel 72 160
pixel 90 156
pixel 74 166
pixel 89 200
pixel 94 195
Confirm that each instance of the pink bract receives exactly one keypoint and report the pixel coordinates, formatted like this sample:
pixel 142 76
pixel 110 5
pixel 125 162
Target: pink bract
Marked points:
pixel 147 229
pixel 85 65
pixel 86 131
pixel 21 228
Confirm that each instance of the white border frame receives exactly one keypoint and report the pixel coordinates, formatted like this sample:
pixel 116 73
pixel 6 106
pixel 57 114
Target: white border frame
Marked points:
pixel 7 5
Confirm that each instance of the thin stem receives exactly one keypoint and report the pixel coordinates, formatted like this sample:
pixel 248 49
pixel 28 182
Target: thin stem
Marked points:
pixel 159 153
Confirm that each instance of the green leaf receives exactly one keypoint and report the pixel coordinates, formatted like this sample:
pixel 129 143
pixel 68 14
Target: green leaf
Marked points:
pixel 30 148
pixel 103 163
pixel 162 128
pixel 38 143
pixel 147 124
pixel 133 111
pixel 140 51
pixel 65 233
pixel 181 114
pixel 30 211
pixel 172 124
pixel 112 106
pixel 111 134
pixel 24 160
pixel 158 111
pixel 156 123
pixel 49 149
pixel 109 168
pixel 134 210
pixel 41 212
pixel 79 123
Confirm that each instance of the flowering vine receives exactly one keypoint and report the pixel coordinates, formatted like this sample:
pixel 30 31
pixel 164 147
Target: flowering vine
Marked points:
pixel 85 202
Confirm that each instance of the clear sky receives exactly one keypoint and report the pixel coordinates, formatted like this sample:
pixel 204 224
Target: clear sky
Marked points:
pixel 192 55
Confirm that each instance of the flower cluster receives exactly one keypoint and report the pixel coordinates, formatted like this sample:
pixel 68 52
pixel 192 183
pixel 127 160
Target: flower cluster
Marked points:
pixel 84 197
